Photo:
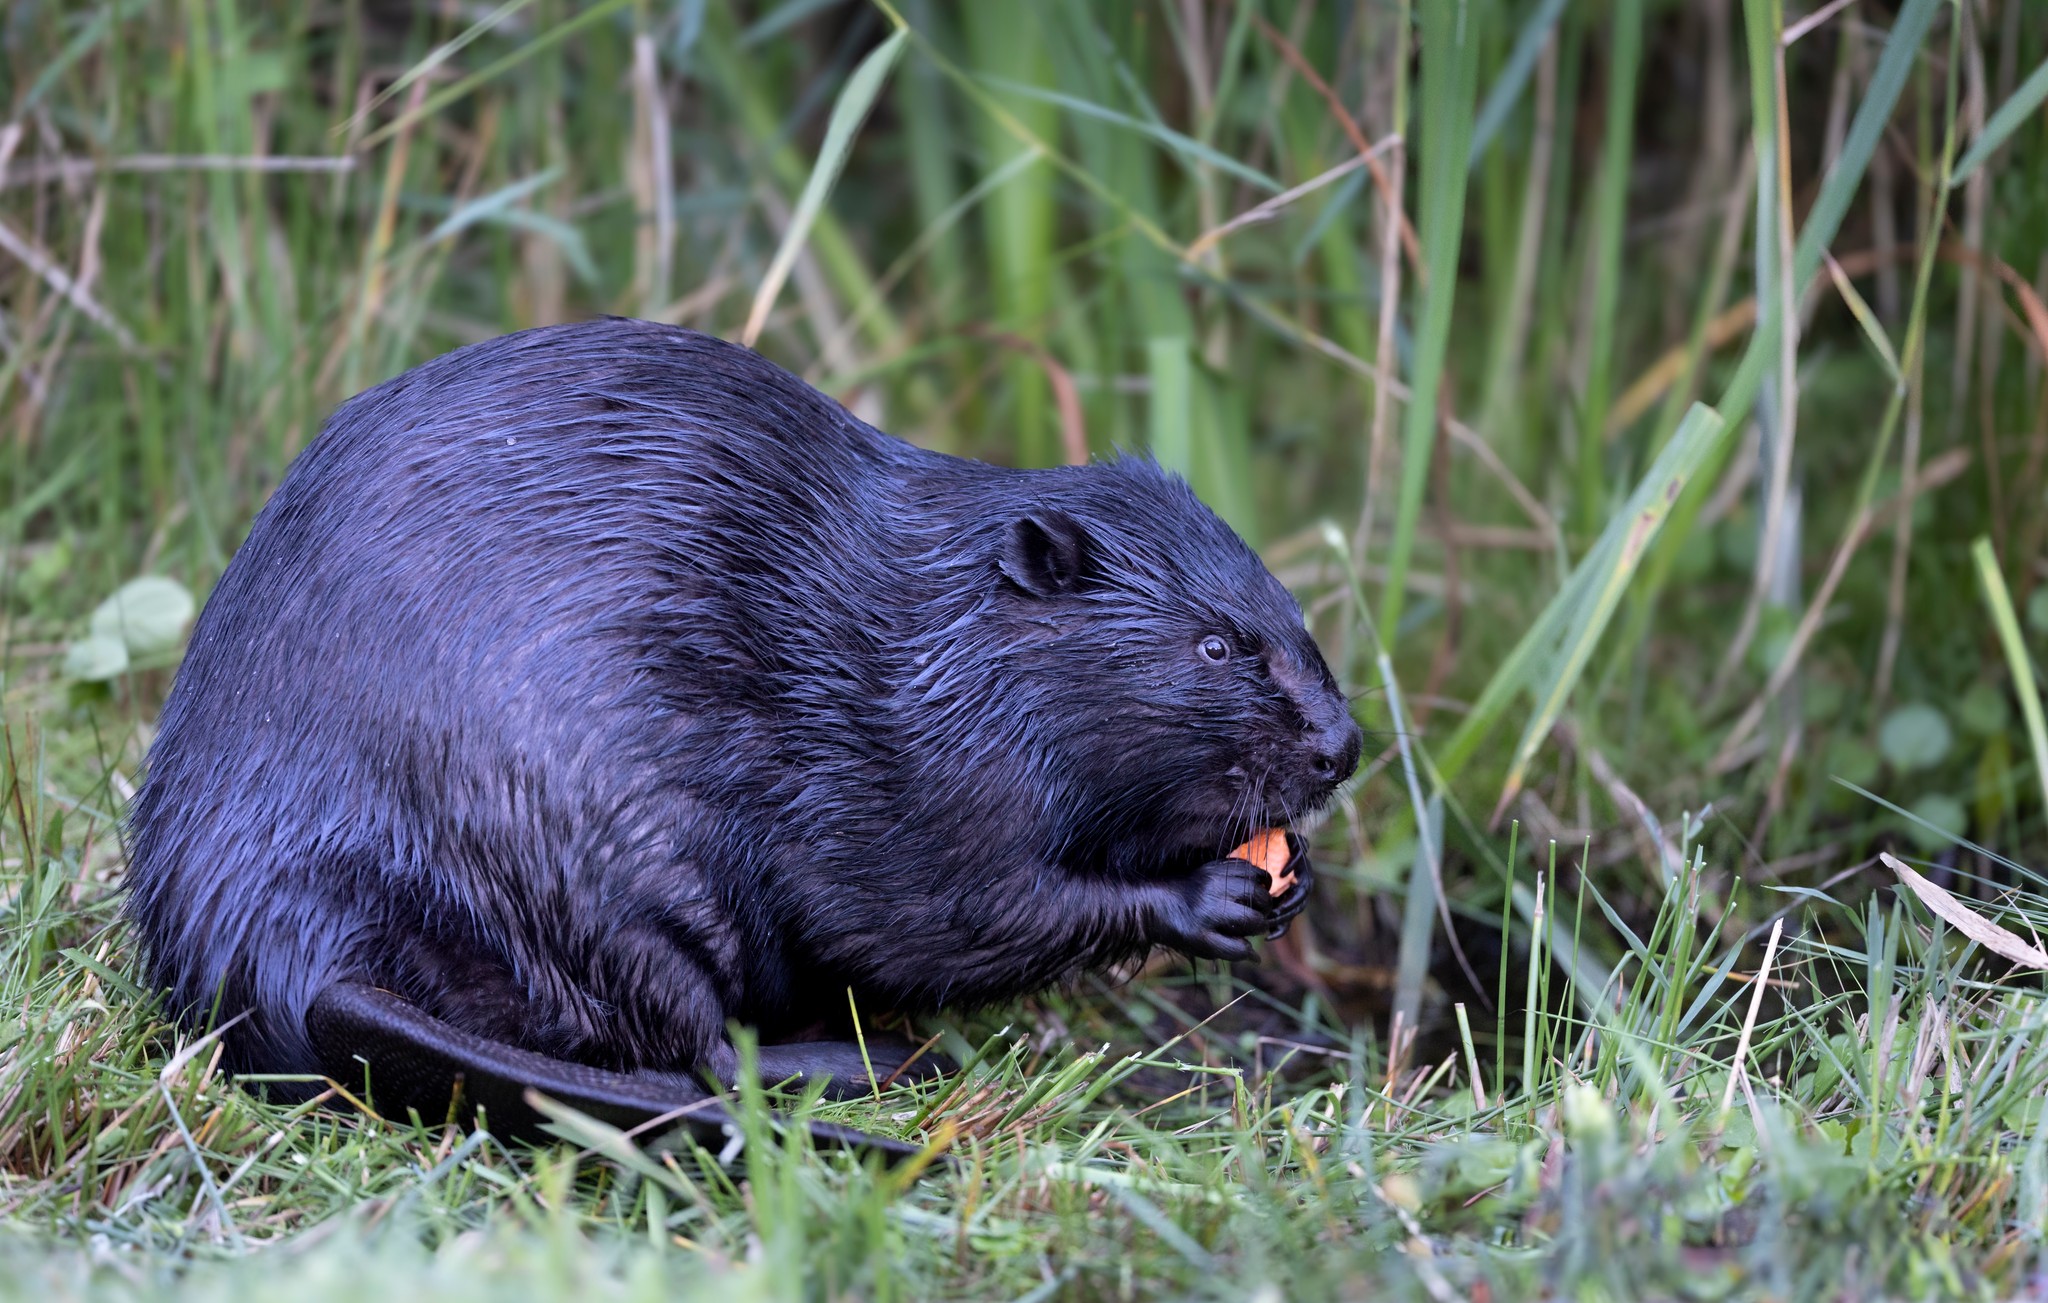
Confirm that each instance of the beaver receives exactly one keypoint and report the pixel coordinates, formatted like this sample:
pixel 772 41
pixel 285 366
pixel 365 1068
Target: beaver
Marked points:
pixel 584 691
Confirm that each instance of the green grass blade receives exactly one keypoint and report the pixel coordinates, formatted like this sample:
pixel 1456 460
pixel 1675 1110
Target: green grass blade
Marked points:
pixel 1613 564
pixel 1824 219
pixel 497 68
pixel 1171 412
pixel 436 60
pixel 1186 146
pixel 1418 919
pixel 1450 62
pixel 1019 222
pixel 1610 211
pixel 1514 77
pixel 485 207
pixel 78 47
pixel 1839 188
pixel 932 242
pixel 2024 103
pixel 2023 684
pixel 1547 660
pixel 851 109
pixel 780 19
pixel 1873 329
pixel 931 137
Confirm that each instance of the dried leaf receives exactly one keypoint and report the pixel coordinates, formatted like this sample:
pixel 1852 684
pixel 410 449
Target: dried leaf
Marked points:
pixel 1966 920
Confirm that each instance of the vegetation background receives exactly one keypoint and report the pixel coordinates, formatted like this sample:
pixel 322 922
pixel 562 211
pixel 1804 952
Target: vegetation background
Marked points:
pixel 1645 396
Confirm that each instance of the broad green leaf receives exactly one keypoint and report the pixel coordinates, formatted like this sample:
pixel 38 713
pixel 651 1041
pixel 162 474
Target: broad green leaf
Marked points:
pixel 1915 736
pixel 1983 710
pixel 1938 821
pixel 145 615
pixel 96 659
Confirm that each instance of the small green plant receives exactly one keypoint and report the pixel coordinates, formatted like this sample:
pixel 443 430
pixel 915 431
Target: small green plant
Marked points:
pixel 144 620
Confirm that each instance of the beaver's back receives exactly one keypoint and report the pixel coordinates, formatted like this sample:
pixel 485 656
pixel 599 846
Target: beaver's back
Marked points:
pixel 431 682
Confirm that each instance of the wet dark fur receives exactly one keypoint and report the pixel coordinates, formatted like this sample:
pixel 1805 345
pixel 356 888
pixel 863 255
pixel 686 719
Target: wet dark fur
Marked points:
pixel 599 684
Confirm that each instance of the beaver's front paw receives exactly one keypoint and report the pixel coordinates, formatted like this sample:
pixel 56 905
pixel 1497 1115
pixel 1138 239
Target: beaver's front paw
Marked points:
pixel 1295 898
pixel 1211 913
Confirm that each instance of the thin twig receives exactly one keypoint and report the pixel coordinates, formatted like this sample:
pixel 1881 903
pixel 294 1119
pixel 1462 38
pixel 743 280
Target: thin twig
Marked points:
pixel 1811 21
pixel 77 169
pixel 39 261
pixel 1390 194
pixel 1279 203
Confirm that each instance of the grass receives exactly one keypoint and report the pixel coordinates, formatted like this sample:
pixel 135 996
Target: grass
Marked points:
pixel 1654 424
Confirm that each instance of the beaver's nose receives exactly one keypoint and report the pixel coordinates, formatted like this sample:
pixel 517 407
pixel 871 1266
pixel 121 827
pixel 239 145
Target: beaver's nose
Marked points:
pixel 1334 751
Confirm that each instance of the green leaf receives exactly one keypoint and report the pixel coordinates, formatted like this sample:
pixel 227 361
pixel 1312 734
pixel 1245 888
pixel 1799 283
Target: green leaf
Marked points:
pixel 96 659
pixel 848 113
pixel 146 615
pixel 1915 736
pixel 2024 1115
pixel 1851 760
pixel 2003 123
pixel 1983 710
pixel 1938 820
pixel 46 567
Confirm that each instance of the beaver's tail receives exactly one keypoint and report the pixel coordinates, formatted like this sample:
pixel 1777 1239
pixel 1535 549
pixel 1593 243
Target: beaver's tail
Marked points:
pixel 400 1059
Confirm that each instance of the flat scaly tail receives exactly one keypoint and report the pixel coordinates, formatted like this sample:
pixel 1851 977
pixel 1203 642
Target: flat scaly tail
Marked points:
pixel 418 1062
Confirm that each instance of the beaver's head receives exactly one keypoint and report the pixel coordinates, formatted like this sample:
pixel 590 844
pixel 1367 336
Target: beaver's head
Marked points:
pixel 1177 700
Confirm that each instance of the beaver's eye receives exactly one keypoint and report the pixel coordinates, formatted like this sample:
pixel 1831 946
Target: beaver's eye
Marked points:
pixel 1214 649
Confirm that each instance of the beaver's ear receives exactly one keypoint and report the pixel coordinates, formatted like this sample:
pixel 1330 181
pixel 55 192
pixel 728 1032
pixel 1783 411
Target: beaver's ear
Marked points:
pixel 1045 554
